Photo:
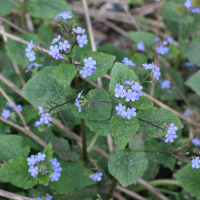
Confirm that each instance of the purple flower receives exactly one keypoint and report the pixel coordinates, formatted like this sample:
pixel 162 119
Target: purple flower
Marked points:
pixel 137 87
pixel 38 198
pixel 79 30
pixel 156 72
pixel 188 112
pixel 165 84
pixel 196 142
pixel 189 64
pixel 131 112
pixel 86 72
pixel 45 118
pixel 56 39
pixel 82 40
pixel 31 160
pixel 137 95
pixel 55 176
pixel 129 83
pixel 156 39
pixel 120 92
pixel 170 137
pixel 126 61
pixel 30 45
pixel 90 63
pixel 169 39
pixel 172 128
pixel 189 6
pixel 120 108
pixel 130 95
pixel 53 51
pixel 96 176
pixel 48 197
pixel 140 46
pixel 31 55
pixel 65 15
pixel 31 65
pixel 195 163
pixel 162 50
pixel 58 56
pixel 40 157
pixel 33 170
pixel 54 161
pixel 77 101
pixel 148 66
pixel 64 45
pixel 5 114
pixel 40 110
pixel 19 107
pixel 37 123
pixel 9 104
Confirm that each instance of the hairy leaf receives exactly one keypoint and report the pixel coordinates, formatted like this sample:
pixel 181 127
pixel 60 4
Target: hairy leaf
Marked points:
pixel 7 5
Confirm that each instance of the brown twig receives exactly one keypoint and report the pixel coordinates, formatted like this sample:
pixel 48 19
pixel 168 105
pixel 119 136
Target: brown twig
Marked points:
pixel 110 143
pixel 10 195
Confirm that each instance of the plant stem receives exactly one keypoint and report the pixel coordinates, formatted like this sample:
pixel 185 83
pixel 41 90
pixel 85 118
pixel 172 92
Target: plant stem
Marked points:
pixel 113 185
pixel 23 20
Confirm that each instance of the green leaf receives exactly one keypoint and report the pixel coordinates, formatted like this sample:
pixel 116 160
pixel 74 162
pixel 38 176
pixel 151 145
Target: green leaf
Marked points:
pixel 142 103
pixel 16 50
pixel 43 87
pixel 16 172
pixel 156 116
pixel 123 129
pixel 44 179
pixel 99 111
pixel 72 177
pixel 47 8
pixel 190 49
pixel 64 73
pixel 11 147
pixel 86 194
pixel 103 63
pixel 99 127
pixel 194 82
pixel 28 115
pixel 189 179
pixel 127 166
pixel 4 128
pixel 6 6
pixel 146 37
pixel 70 54
pixel 62 148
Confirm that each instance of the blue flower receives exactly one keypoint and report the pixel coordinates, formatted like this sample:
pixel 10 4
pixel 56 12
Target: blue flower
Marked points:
pixel 64 45
pixel 156 72
pixel 120 91
pixel 189 6
pixel 65 15
pixel 131 112
pixel 165 84
pixel 170 137
pixel 120 108
pixel 126 61
pixel 137 95
pixel 137 87
pixel 33 170
pixel 40 157
pixel 31 55
pixel 37 123
pixel 79 30
pixel 140 46
pixel 40 110
pixel 77 101
pixel 148 66
pixel 162 50
pixel 156 39
pixel 196 163
pixel 54 161
pixel 30 45
pixel 54 51
pixel 86 72
pixel 188 112
pixel 45 118
pixel 130 95
pixel 196 142
pixel 56 39
pixel 90 63
pixel 189 64
pixel 55 176
pixel 48 197
pixel 96 176
pixel 31 65
pixel 172 128
pixel 82 40
pixel 129 83
pixel 5 114
pixel 38 198
pixel 58 56
pixel 169 39
pixel 31 160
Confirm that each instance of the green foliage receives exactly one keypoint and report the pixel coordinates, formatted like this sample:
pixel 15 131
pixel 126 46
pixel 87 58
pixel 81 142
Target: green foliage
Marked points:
pixel 99 111
pixel 11 147
pixel 43 87
pixel 16 172
pixel 64 73
pixel 6 6
pixel 189 179
pixel 47 8
pixel 127 166
pixel 123 129
pixel 142 103
pixel 62 148
pixel 194 82
pixel 156 116
pixel 103 63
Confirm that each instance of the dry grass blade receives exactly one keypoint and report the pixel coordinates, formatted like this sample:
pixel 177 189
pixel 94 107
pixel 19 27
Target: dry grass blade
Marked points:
pixel 10 195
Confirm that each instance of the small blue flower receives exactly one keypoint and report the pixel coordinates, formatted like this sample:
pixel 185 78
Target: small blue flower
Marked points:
pixel 120 92
pixel 148 66
pixel 33 170
pixel 31 160
pixel 30 45
pixel 58 56
pixel 165 84
pixel 130 95
pixel 55 176
pixel 86 72
pixel 40 110
pixel 38 198
pixel 156 72
pixel 137 95
pixel 45 118
pixel 53 50
pixel 65 15
pixel 189 64
pixel 82 40
pixel 77 101
pixel 126 61
pixel 40 157
pixel 129 83
pixel 188 112
pixel 5 114
pixel 196 142
pixel 162 50
pixel 90 63
pixel 131 112
pixel 172 128
pixel 196 163
pixel 189 6
pixel 19 107
pixel 54 161
pixel 48 197
pixel 156 39
pixel 9 104
pixel 169 39
pixel 37 123
pixel 64 45
pixel 56 39
pixel 79 30
pixel 31 65
pixel 31 55
pixel 137 87
pixel 96 176
pixel 170 137
pixel 120 108
pixel 140 46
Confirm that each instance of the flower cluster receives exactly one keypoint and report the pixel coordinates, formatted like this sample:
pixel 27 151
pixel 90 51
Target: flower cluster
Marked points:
pixel 19 107
pixel 31 65
pixel 89 67
pixel 64 15
pixel 57 169
pixel 162 48
pixel 45 117
pixel 30 53
pixel 155 71
pixel 196 163
pixel 96 176
pixel 189 6
pixel 140 46
pixel 126 61
pixel 130 112
pixel 196 142
pixel 82 40
pixel 165 84
pixel 188 112
pixel 171 133
pixel 77 101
